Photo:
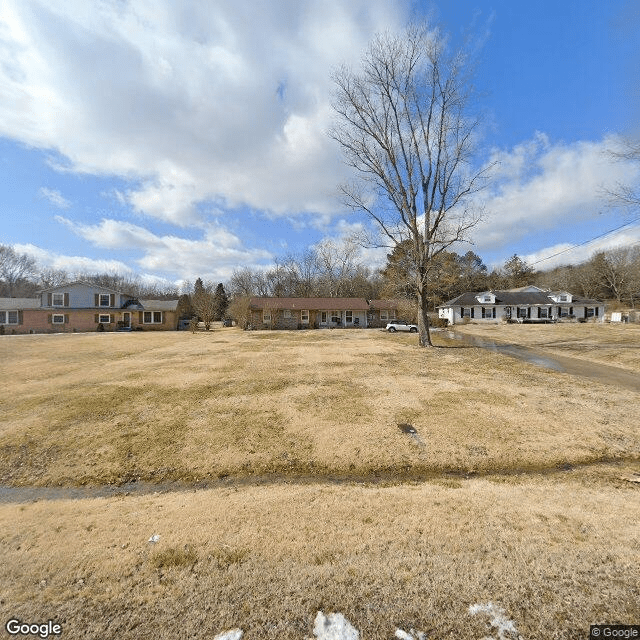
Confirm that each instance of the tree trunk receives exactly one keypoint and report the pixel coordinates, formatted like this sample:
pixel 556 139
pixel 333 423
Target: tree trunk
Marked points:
pixel 424 335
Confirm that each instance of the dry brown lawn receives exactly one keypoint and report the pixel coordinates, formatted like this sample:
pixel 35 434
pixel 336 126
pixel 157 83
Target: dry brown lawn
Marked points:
pixel 613 344
pixel 556 552
pixel 81 409
pixel 522 489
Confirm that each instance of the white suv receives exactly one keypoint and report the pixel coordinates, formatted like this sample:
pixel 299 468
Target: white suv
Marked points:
pixel 401 325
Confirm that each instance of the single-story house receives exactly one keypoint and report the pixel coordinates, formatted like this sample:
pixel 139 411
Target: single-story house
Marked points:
pixel 527 304
pixel 307 313
pixel 80 306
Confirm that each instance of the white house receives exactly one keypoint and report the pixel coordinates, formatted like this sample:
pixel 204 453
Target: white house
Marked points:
pixel 527 304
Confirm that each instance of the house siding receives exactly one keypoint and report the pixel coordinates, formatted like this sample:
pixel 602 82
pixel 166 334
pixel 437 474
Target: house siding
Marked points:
pixel 81 313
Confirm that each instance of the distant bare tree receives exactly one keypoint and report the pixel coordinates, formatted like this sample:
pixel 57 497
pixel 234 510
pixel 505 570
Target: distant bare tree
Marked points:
pixel 15 267
pixel 404 126
pixel 53 277
pixel 240 310
pixel 204 303
pixel 623 194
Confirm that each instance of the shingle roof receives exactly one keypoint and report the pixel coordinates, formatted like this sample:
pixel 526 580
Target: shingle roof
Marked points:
pixel 159 305
pixel 514 298
pixel 384 304
pixel 11 304
pixel 328 304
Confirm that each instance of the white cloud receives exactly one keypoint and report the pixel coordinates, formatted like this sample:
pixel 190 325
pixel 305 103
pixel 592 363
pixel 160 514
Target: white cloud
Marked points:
pixel 543 186
pixel 213 257
pixel 73 264
pixel 193 102
pixel 55 198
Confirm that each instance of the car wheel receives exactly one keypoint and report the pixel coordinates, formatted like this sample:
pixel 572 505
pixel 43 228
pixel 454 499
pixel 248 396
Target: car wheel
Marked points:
pixel 392 329
pixel 413 330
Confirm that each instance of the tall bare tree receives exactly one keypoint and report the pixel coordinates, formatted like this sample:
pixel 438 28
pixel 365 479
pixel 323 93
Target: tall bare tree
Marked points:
pixel 404 125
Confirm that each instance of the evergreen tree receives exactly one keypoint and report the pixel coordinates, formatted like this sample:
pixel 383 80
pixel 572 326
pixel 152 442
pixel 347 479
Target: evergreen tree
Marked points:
pixel 221 302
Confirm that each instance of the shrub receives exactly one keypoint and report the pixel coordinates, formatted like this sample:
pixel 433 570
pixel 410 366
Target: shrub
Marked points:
pixel 100 327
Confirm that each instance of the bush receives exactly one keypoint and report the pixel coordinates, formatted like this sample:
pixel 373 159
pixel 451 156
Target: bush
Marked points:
pixel 438 323
pixel 100 327
pixel 193 325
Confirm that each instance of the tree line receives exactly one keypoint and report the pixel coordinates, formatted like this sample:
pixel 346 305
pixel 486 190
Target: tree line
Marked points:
pixel 335 269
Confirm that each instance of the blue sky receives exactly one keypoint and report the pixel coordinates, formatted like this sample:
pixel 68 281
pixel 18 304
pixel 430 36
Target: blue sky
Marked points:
pixel 181 139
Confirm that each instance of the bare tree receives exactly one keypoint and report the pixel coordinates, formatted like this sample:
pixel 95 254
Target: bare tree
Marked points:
pixel 404 126
pixel 204 303
pixel 626 195
pixel 15 267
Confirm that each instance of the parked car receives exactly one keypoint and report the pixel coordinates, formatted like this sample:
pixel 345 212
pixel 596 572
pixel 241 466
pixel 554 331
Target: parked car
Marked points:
pixel 401 325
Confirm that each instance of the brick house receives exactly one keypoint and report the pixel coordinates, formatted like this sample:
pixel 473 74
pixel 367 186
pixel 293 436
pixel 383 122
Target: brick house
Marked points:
pixel 309 313
pixel 80 306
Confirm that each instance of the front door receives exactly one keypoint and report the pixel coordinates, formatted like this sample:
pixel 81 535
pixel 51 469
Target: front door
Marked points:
pixel 126 320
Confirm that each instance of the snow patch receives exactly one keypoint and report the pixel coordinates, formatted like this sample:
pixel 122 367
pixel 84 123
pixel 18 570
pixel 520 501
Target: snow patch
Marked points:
pixel 333 627
pixel 412 635
pixel 498 620
pixel 234 634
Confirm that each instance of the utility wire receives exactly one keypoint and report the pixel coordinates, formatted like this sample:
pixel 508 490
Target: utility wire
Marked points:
pixel 581 244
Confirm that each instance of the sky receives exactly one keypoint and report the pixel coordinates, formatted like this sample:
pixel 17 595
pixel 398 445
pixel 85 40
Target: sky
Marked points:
pixel 175 140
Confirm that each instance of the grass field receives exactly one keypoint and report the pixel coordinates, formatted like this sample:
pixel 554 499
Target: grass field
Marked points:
pixel 519 490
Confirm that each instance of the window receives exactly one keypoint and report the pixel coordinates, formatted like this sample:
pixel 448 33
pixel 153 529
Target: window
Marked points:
pixel 564 298
pixel 57 318
pixel 522 312
pixel 384 315
pixel 487 299
pixel 304 316
pixel 323 317
pixel 488 313
pixel 543 312
pixel 266 316
pixel 152 317
pixel 348 317
pixel 590 312
pixel 286 313
pixel 335 317
pixel 563 312
pixel 57 299
pixel 104 300
pixel 465 312
pixel 8 317
pixel 104 318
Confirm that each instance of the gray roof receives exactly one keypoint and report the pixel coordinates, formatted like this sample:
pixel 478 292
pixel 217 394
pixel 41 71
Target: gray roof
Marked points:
pixel 159 305
pixel 514 298
pixel 11 304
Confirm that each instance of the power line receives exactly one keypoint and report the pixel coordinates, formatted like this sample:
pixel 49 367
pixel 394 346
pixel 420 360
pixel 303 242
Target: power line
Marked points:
pixel 581 244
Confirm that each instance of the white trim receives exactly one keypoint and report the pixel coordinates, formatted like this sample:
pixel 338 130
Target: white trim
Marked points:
pixel 101 317
pixel 57 315
pixel 304 316
pixel 108 296
pixel 153 317
pixel 5 317
pixel 53 300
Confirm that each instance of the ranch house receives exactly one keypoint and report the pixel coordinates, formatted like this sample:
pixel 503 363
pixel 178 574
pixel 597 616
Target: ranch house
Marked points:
pixel 524 305
pixel 319 313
